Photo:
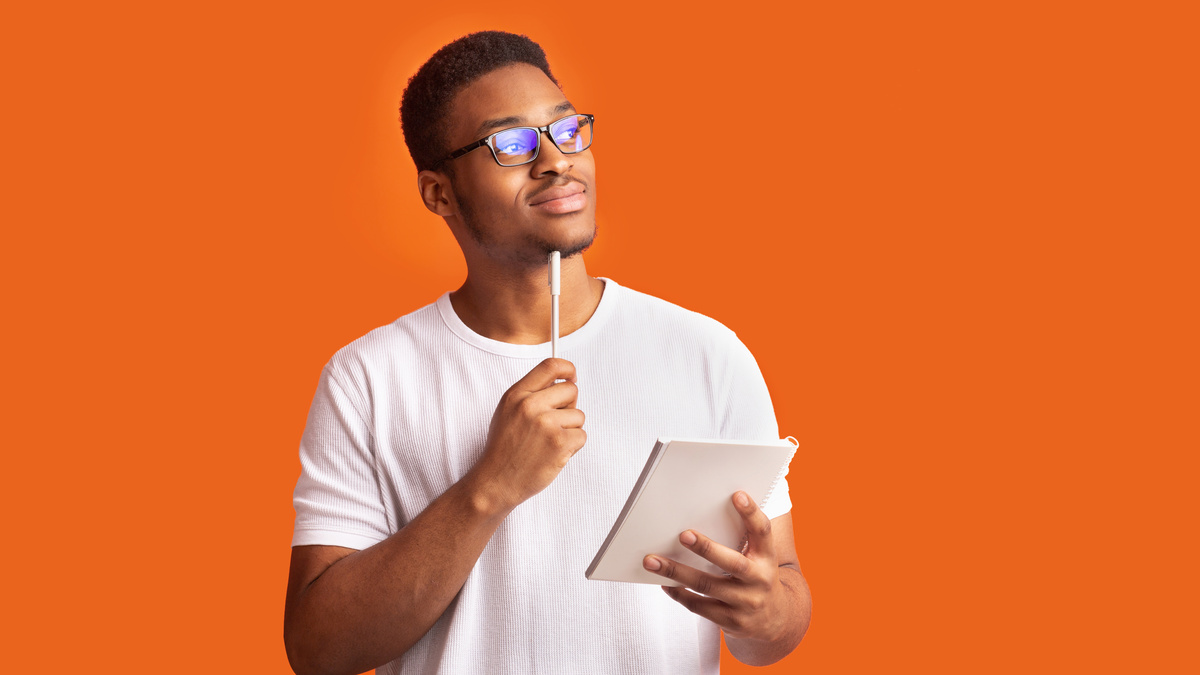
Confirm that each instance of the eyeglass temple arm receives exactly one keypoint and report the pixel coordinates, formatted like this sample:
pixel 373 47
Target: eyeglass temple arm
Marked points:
pixel 462 151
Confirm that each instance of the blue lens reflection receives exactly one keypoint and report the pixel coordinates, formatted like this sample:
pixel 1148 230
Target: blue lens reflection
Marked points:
pixel 514 143
pixel 566 130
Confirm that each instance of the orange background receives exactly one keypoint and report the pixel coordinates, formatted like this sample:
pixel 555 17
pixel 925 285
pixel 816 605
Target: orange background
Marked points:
pixel 959 238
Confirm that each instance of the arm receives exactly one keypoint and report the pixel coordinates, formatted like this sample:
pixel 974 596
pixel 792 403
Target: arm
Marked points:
pixel 349 611
pixel 763 606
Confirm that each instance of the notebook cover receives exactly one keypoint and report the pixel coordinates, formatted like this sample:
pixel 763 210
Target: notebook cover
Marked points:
pixel 688 484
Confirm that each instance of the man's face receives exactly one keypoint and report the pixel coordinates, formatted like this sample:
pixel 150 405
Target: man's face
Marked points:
pixel 519 214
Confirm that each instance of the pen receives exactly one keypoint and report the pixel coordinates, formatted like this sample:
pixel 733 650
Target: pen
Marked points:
pixel 555 287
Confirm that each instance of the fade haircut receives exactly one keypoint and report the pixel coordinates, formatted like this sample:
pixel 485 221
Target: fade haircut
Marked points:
pixel 425 104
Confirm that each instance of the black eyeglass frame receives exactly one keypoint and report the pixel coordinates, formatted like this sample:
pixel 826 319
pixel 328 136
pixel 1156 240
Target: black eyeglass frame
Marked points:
pixel 591 121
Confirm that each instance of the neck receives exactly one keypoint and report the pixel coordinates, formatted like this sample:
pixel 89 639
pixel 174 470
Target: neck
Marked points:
pixel 513 305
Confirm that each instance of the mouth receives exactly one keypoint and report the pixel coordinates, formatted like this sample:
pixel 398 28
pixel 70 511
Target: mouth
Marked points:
pixel 561 199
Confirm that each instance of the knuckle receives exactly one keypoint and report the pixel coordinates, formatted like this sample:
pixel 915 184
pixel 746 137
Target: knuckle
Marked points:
pixel 563 459
pixel 526 407
pixel 704 585
pixel 506 399
pixel 670 570
pixel 703 547
pixel 763 527
pixel 756 604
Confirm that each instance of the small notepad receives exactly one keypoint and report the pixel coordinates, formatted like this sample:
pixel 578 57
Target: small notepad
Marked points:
pixel 688 484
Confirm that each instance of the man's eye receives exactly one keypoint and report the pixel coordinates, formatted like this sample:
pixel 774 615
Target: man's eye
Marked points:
pixel 514 148
pixel 514 143
pixel 567 134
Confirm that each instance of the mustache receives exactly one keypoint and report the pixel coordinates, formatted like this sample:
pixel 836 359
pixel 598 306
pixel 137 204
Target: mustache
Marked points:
pixel 558 182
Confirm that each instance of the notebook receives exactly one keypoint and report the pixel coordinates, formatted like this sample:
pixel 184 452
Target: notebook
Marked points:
pixel 688 484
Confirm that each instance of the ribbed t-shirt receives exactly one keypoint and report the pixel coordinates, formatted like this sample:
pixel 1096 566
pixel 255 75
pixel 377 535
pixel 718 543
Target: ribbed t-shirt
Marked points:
pixel 402 413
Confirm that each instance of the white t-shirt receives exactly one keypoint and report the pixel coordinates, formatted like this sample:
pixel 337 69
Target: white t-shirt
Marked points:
pixel 402 413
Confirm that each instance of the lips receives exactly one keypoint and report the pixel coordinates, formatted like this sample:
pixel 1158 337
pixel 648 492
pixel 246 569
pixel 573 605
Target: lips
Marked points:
pixel 561 199
pixel 559 192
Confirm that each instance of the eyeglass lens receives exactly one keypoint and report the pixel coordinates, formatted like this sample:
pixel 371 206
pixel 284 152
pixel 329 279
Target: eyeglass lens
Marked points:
pixel 519 146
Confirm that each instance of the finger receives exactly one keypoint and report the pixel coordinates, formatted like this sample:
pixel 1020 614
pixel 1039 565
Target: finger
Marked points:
pixel 566 418
pixel 706 584
pixel 544 374
pixel 561 395
pixel 758 526
pixel 733 562
pixel 714 610
pixel 574 440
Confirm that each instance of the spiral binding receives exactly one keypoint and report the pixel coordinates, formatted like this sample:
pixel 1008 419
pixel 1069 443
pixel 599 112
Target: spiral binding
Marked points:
pixel 774 484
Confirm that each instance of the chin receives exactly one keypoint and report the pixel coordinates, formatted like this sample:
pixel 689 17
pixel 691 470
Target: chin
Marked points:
pixel 568 247
pixel 575 249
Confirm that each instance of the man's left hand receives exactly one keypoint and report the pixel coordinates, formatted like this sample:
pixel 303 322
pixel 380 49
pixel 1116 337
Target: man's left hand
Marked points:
pixel 751 602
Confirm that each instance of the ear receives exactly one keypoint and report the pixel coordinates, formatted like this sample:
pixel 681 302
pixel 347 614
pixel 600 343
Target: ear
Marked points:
pixel 436 192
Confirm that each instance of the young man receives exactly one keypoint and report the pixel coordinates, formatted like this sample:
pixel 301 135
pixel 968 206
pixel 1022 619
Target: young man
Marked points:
pixel 453 491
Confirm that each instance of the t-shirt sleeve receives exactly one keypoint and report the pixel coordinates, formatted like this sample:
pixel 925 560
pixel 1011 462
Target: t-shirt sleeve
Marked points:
pixel 337 497
pixel 749 415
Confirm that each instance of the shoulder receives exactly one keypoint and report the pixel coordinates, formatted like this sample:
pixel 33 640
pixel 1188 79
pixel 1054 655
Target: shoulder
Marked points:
pixel 672 321
pixel 403 341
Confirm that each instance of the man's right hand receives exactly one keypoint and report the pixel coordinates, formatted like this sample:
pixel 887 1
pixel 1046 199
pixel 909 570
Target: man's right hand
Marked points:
pixel 535 430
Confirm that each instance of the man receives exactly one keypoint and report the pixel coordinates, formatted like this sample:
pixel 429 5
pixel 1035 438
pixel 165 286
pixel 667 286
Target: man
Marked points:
pixel 453 491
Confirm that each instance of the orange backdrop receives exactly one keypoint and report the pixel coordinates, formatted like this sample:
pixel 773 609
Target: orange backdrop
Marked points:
pixel 959 237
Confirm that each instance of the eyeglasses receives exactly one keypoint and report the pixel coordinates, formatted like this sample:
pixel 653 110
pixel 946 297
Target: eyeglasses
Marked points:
pixel 520 145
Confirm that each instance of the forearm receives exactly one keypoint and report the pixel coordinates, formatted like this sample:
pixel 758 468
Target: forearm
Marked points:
pixel 794 615
pixel 371 606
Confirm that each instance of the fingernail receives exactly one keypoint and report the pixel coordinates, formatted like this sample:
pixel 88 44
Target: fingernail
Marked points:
pixel 742 499
pixel 688 538
pixel 651 564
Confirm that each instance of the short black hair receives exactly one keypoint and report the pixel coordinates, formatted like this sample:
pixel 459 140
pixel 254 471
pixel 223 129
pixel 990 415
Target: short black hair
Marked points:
pixel 425 104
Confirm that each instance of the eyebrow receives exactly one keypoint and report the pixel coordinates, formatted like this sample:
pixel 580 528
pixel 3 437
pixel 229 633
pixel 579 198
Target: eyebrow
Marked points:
pixel 515 120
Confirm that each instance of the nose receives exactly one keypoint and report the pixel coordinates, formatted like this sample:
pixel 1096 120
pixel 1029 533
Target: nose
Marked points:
pixel 550 159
